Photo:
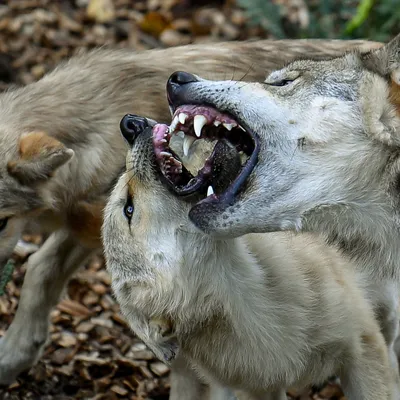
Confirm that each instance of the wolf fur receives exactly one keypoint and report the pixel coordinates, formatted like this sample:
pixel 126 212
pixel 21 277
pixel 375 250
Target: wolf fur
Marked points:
pixel 329 160
pixel 61 153
pixel 257 313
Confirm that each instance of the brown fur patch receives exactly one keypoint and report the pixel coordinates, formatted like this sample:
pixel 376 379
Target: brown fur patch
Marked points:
pixel 39 157
pixel 85 220
pixel 368 339
pixel 130 181
pixel 394 93
pixel 34 144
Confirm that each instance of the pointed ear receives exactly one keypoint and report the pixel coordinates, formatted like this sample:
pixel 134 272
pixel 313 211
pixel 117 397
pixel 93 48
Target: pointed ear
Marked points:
pixel 382 101
pixel 39 157
pixel 385 60
pixel 394 96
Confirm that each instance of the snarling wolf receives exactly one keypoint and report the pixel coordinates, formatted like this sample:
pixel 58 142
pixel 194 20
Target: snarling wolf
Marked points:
pixel 257 313
pixel 321 153
pixel 61 153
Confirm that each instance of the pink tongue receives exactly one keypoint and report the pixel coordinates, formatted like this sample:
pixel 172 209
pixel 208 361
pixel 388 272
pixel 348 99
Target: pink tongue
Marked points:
pixel 210 113
pixel 160 133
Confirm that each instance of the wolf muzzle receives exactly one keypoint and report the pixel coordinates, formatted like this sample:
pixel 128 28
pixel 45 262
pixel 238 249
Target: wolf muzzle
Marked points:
pixel 132 126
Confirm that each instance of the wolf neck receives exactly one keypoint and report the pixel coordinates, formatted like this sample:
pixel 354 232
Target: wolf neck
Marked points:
pixel 370 236
pixel 214 271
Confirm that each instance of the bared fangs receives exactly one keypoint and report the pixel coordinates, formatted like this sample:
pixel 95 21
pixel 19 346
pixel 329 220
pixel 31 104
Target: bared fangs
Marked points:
pixel 234 146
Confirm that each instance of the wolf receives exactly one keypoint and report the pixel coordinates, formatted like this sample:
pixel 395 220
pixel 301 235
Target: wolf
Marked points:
pixel 61 153
pixel 321 141
pixel 256 313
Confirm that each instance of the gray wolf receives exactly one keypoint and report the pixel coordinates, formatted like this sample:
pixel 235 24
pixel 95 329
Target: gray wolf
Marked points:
pixel 61 154
pixel 322 144
pixel 256 313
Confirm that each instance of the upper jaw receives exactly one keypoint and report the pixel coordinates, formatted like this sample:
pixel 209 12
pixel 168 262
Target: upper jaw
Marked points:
pixel 191 103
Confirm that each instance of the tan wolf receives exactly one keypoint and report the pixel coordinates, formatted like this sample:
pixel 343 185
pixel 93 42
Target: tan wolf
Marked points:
pixel 257 313
pixel 61 153
pixel 321 147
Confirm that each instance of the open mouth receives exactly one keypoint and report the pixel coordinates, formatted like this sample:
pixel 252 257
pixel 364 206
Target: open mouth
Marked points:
pixel 225 170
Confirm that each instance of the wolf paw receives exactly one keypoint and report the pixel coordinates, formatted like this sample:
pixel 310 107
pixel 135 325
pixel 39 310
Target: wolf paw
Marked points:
pixel 19 353
pixel 166 350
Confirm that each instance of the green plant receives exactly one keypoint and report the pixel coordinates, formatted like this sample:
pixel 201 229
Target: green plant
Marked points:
pixel 264 14
pixel 342 19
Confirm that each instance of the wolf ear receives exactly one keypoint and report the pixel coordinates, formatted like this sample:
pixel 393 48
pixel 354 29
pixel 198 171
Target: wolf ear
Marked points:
pixel 385 60
pixel 383 121
pixel 39 157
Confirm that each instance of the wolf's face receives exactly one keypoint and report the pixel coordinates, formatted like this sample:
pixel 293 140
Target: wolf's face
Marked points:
pixel 316 135
pixel 142 215
pixel 27 166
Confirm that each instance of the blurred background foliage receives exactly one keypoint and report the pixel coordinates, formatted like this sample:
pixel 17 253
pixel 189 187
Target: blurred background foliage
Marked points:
pixel 336 19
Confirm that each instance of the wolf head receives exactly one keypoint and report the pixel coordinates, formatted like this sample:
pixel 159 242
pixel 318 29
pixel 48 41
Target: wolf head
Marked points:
pixel 327 135
pixel 142 215
pixel 27 163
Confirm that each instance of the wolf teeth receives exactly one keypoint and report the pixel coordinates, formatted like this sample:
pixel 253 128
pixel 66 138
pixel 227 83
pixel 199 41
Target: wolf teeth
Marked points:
pixel 174 124
pixel 187 143
pixel 229 126
pixel 198 123
pixel 217 123
pixel 182 118
pixel 210 191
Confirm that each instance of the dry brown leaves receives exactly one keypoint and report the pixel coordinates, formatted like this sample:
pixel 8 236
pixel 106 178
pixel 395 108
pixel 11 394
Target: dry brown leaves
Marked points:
pixel 92 353
pixel 38 34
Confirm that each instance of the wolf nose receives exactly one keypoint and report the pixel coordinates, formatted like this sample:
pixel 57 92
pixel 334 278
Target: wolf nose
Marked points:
pixel 181 77
pixel 175 89
pixel 132 126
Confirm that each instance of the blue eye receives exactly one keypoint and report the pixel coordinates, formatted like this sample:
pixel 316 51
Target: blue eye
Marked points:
pixel 128 210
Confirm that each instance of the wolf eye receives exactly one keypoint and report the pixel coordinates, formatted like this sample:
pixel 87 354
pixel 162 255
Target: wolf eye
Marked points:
pixel 282 82
pixel 129 209
pixel 3 223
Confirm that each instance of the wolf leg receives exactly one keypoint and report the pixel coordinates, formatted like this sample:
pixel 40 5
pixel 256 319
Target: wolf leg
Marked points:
pixel 185 384
pixel 385 299
pixel 218 392
pixel 276 395
pixel 367 375
pixel 48 271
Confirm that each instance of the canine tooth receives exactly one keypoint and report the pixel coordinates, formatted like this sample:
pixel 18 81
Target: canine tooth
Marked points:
pixel 187 143
pixel 198 123
pixel 241 127
pixel 217 123
pixel 175 161
pixel 163 140
pixel 165 154
pixel 210 191
pixel 228 126
pixel 182 118
pixel 174 124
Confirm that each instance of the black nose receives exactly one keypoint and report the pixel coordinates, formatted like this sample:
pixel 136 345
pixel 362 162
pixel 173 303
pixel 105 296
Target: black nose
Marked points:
pixel 175 86
pixel 132 126
pixel 180 78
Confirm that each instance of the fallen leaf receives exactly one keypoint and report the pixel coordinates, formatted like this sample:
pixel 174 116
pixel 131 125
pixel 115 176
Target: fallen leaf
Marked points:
pixel 101 10
pixel 154 23
pixel 73 308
